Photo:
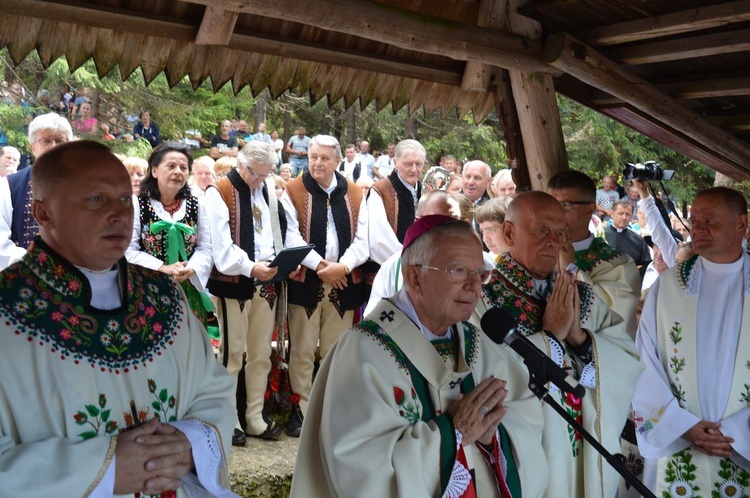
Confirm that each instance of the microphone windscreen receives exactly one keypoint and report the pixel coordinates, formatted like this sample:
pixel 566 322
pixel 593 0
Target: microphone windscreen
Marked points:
pixel 497 323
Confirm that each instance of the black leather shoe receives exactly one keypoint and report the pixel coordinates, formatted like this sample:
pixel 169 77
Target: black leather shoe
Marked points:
pixel 294 426
pixel 270 434
pixel 238 438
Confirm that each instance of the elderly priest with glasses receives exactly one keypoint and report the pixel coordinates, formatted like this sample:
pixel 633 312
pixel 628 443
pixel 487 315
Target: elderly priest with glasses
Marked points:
pixel 414 401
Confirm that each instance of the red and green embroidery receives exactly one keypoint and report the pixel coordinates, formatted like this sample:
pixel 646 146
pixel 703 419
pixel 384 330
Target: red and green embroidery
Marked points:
pixel 42 297
pixel 408 407
pixel 164 404
pixel 96 418
pixel 572 405
pixel 599 251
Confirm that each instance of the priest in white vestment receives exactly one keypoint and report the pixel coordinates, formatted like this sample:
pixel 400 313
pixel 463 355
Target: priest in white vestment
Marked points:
pixel 692 403
pixel 109 382
pixel 414 401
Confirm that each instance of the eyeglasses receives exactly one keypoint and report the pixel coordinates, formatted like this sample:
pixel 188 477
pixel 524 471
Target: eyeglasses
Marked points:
pixel 258 175
pixel 567 204
pixel 461 275
pixel 51 141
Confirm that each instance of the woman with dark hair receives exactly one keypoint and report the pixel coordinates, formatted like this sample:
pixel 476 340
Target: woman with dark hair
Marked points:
pixel 170 227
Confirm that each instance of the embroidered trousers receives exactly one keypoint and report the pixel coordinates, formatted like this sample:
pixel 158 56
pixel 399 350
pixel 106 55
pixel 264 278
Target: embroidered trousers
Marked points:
pixel 322 329
pixel 250 329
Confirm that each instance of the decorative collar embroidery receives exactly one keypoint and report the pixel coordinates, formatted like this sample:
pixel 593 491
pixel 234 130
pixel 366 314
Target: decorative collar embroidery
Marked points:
pixel 47 300
pixel 598 252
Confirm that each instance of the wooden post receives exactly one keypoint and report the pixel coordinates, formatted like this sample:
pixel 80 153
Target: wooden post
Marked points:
pixel 538 114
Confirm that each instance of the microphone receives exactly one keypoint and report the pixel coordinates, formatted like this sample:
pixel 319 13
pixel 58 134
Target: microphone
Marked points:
pixel 500 327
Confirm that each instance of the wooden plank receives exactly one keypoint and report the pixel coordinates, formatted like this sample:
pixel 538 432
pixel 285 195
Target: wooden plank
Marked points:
pixel 702 18
pixel 108 50
pixel 592 68
pixel 683 48
pixel 702 89
pixel 24 39
pixel 401 28
pixel 216 26
pixel 124 20
pixel 477 75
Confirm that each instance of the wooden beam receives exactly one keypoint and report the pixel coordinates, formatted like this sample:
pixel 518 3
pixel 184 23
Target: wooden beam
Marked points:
pixel 711 16
pixel 688 90
pixel 734 122
pixel 707 88
pixel 126 21
pixel 683 48
pixel 592 68
pixel 401 28
pixel 477 75
pixel 535 100
pixel 675 140
pixel 216 27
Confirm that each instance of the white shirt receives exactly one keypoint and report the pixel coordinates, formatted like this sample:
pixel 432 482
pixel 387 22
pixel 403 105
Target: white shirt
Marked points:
pixel 660 233
pixel 358 250
pixel 382 239
pixel 9 252
pixel 385 165
pixel 229 258
pixel 200 261
pixel 368 161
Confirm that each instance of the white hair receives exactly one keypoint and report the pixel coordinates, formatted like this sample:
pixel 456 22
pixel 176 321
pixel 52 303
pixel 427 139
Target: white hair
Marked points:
pixel 50 121
pixel 205 160
pixel 410 146
pixel 327 141
pixel 256 152
pixel 487 169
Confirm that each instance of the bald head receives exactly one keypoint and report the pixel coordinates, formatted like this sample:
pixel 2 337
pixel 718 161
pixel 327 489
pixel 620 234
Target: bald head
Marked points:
pixel 525 203
pixel 68 162
pixel 438 202
pixel 535 229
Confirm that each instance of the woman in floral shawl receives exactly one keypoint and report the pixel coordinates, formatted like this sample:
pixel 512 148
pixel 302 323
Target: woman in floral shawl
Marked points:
pixel 170 230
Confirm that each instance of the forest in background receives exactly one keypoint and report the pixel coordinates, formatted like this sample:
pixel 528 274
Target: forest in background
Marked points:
pixel 595 144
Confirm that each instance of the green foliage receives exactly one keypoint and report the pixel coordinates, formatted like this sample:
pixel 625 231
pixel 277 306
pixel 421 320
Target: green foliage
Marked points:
pixel 599 146
pixel 14 119
pixel 595 144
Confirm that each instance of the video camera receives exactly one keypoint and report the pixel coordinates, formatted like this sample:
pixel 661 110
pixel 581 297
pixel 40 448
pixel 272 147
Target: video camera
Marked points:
pixel 650 170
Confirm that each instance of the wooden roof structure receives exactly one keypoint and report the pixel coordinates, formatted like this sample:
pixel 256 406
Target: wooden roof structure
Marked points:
pixel 677 72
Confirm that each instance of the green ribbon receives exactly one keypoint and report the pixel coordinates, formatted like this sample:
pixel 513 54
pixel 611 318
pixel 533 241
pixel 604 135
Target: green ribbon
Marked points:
pixel 175 239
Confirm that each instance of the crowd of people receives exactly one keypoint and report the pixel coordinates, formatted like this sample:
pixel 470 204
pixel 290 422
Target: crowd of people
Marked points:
pixel 396 389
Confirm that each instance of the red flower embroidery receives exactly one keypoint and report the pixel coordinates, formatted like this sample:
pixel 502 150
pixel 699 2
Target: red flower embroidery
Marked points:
pixel 294 399
pixel 398 395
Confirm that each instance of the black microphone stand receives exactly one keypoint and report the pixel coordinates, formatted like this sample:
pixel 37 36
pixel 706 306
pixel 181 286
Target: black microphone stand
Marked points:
pixel 537 381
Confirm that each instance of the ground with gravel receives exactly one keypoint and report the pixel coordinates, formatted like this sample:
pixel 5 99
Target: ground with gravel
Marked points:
pixel 263 468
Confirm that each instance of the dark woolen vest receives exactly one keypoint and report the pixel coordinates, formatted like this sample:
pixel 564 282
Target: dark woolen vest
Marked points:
pixel 311 201
pixel 398 203
pixel 238 198
pixel 23 226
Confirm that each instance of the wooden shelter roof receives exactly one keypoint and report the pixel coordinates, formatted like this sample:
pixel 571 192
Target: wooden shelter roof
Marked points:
pixel 675 71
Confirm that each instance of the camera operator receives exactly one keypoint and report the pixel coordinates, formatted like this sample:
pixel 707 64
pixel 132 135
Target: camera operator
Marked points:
pixel 660 232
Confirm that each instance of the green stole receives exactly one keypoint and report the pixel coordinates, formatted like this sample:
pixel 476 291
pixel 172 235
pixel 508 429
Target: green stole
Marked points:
pixel 401 349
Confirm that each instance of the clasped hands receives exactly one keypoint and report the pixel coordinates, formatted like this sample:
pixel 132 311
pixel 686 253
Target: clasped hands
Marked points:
pixel 563 310
pixel 151 458
pixel 332 273
pixel 707 438
pixel 477 414
pixel 178 270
